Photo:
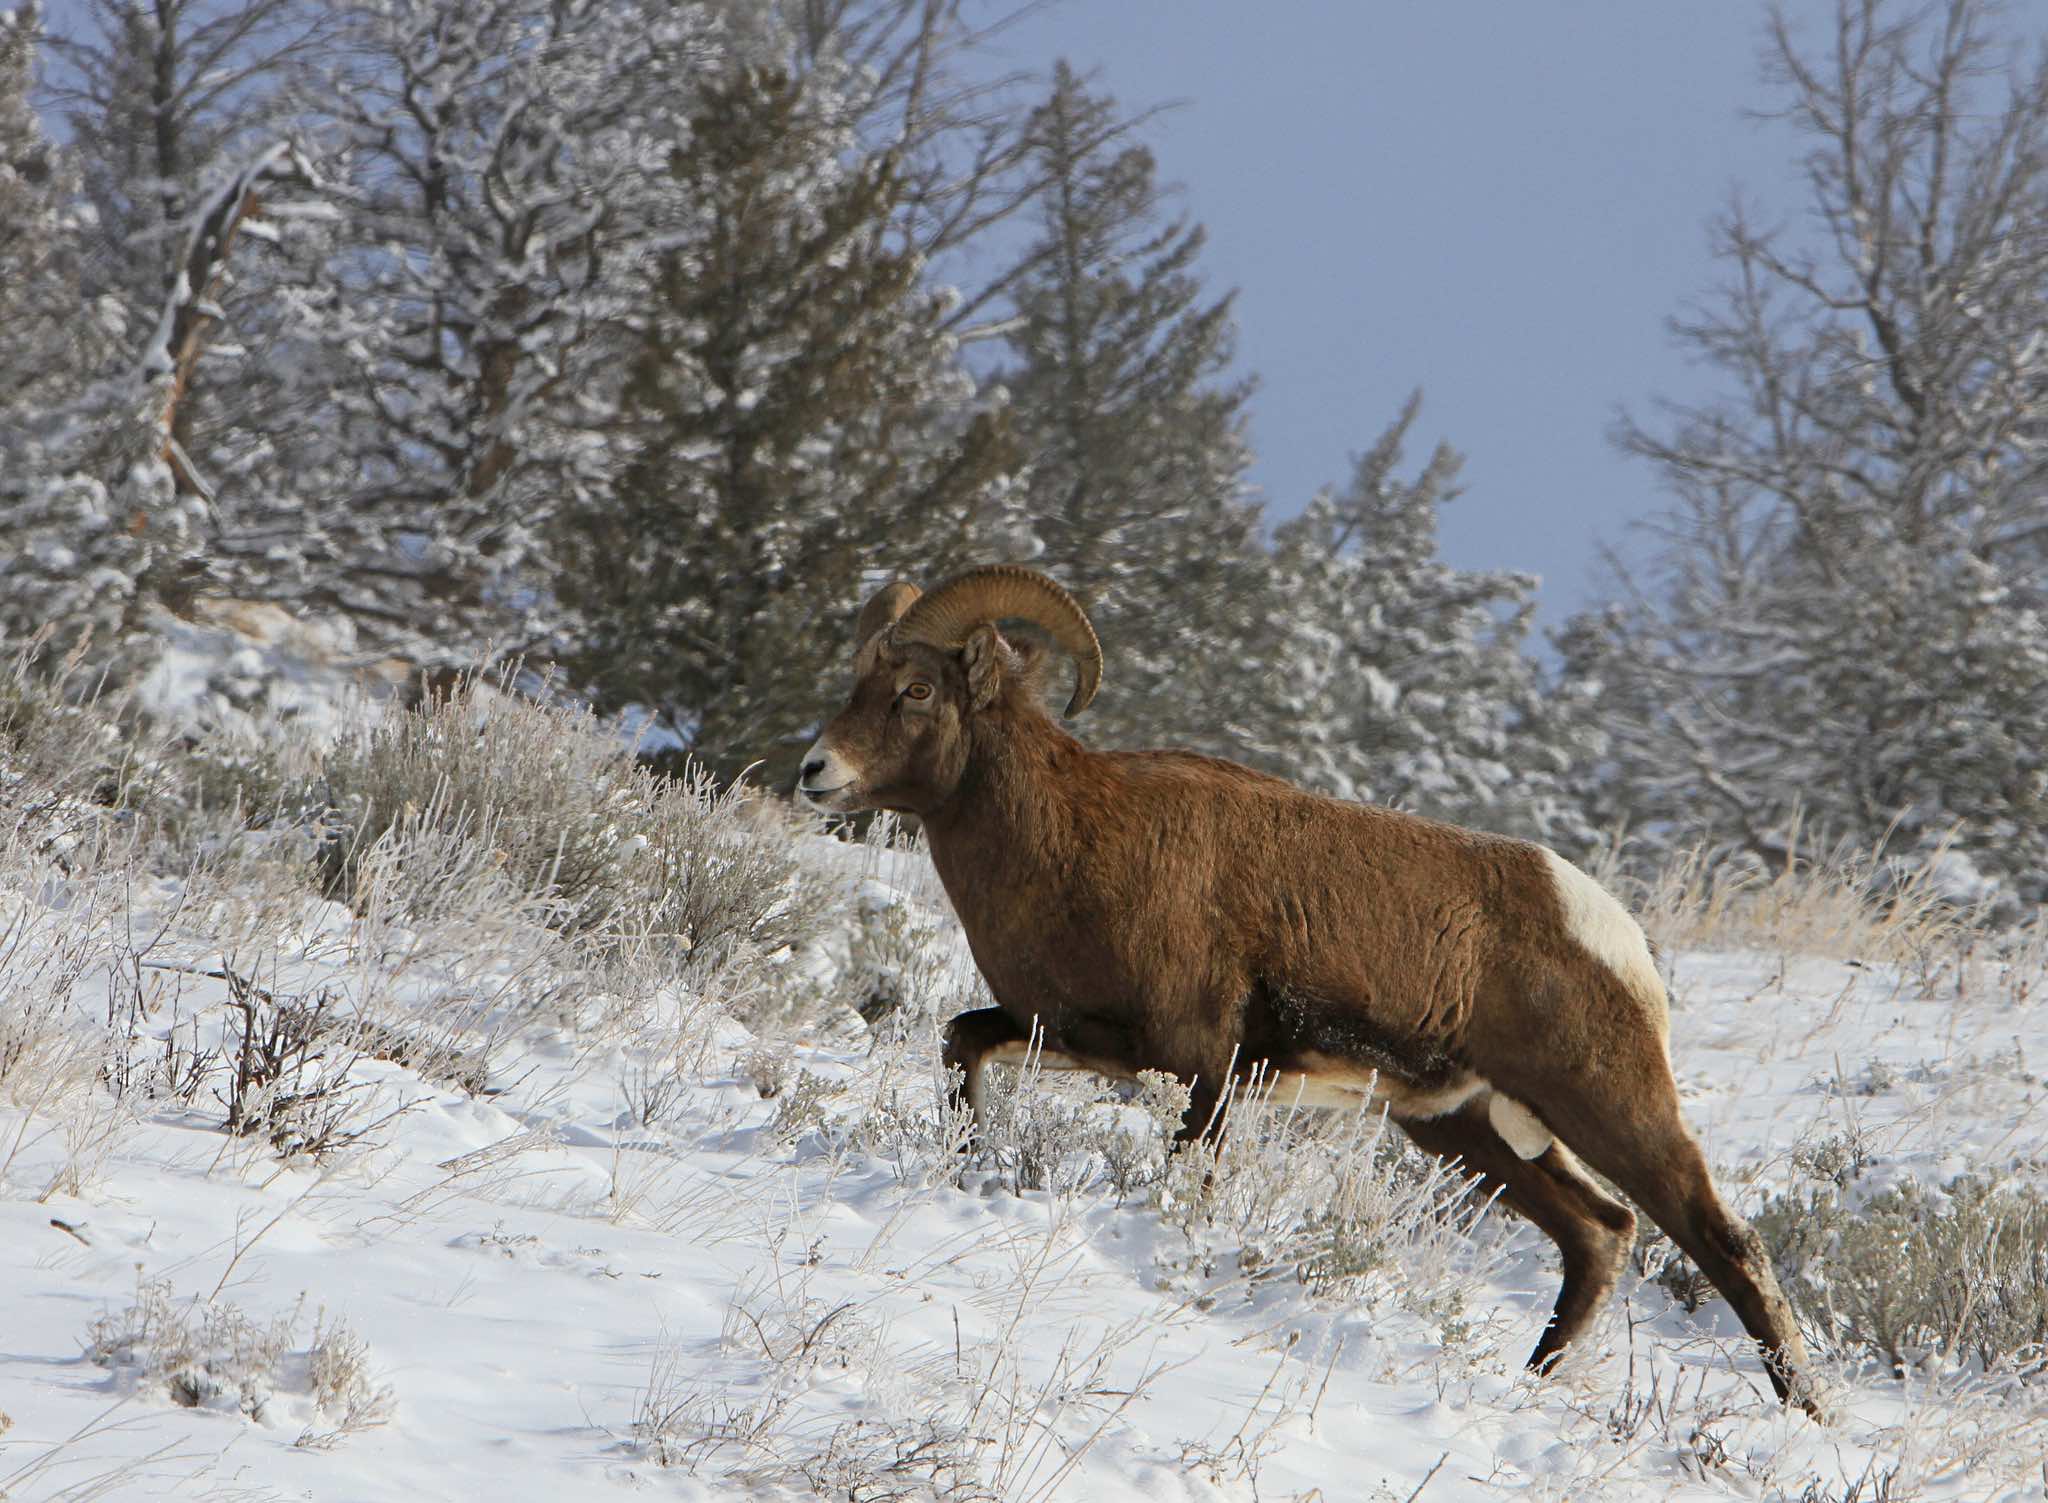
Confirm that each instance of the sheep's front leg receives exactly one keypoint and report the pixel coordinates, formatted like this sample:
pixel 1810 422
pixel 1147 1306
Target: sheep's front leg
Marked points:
pixel 971 1039
pixel 990 1036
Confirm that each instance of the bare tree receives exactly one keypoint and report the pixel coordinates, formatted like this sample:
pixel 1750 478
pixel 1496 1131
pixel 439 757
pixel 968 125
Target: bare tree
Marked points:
pixel 1847 611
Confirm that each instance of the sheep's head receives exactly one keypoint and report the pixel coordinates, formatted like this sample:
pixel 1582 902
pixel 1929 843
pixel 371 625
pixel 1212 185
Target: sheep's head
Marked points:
pixel 927 665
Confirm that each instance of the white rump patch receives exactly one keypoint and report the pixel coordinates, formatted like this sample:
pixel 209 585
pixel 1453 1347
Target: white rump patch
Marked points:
pixel 1604 929
pixel 1519 1127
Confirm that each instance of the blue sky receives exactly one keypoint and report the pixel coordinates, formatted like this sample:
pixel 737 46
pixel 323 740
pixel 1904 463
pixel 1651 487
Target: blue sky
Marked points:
pixel 1499 201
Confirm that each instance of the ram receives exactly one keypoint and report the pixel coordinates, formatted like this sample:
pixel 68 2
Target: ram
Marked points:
pixel 1166 911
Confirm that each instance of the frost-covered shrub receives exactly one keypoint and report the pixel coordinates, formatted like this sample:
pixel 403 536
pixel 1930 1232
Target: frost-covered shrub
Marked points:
pixel 921 1138
pixel 1045 1134
pixel 1913 1274
pixel 345 1397
pixel 235 817
pixel 64 758
pixel 288 1072
pixel 554 797
pixel 77 765
pixel 47 975
pixel 1336 1201
pixel 1063 1133
pixel 720 890
pixel 554 804
pixel 896 962
pixel 800 1108
pixel 236 782
pixel 212 1355
pixel 1134 1158
pixel 37 1039
pixel 286 1068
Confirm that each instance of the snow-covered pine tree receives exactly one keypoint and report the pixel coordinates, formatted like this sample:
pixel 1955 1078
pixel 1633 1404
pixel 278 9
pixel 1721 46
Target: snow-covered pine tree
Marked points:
pixel 495 172
pixel 797 426
pixel 88 511
pixel 48 341
pixel 1847 622
pixel 1133 430
pixel 165 102
pixel 913 79
pixel 107 514
pixel 1389 675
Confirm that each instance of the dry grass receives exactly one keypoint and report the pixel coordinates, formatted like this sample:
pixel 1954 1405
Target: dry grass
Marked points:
pixel 979 1420
pixel 1840 901
pixel 1335 1201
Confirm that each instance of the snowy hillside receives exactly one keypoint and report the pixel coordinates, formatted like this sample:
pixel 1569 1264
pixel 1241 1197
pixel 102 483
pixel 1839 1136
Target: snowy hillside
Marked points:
pixel 466 1186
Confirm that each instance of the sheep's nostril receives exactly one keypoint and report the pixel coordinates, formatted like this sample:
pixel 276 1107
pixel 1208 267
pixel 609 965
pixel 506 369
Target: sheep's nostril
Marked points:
pixel 811 769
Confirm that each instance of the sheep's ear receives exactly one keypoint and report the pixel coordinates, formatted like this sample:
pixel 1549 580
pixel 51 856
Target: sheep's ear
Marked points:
pixel 982 657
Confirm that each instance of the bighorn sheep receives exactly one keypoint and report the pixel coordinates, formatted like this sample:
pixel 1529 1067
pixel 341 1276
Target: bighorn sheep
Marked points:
pixel 1162 910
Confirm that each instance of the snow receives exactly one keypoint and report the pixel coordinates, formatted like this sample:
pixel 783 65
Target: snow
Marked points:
pixel 532 1269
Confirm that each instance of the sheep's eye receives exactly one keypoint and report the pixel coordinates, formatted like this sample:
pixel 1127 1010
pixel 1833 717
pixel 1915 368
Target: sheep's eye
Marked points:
pixel 918 692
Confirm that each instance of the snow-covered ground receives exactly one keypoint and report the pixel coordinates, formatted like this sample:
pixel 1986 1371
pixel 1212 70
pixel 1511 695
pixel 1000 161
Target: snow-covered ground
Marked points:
pixel 622 1269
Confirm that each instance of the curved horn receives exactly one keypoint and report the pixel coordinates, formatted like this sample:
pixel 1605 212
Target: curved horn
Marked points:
pixel 884 608
pixel 949 614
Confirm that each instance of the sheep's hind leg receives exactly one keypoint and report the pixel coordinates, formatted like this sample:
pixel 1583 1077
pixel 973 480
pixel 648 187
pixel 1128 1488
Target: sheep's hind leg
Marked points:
pixel 1672 1186
pixel 1625 1122
pixel 1592 1230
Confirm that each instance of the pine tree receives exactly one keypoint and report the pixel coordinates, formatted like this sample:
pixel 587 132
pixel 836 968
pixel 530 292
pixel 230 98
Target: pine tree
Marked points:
pixel 448 372
pixel 912 79
pixel 87 508
pixel 47 340
pixel 1133 431
pixel 1847 625
pixel 798 427
pixel 1390 676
